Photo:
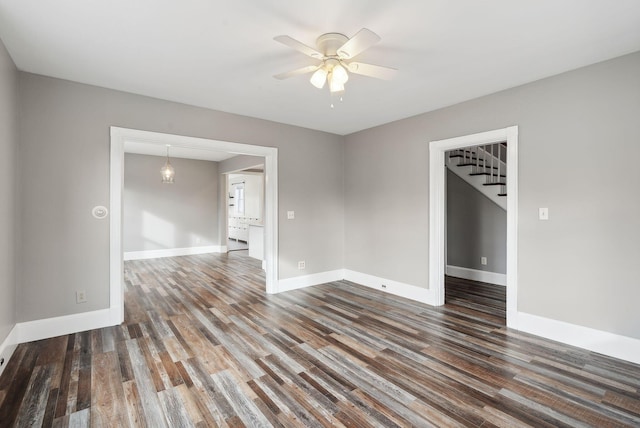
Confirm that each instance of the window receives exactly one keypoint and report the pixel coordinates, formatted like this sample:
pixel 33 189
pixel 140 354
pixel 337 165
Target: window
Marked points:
pixel 239 198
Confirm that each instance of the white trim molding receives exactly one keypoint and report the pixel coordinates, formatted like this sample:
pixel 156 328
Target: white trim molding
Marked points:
pixel 437 211
pixel 477 275
pixel 613 345
pixel 172 252
pixel 396 288
pixel 8 346
pixel 310 280
pixel 67 324
pixel 408 291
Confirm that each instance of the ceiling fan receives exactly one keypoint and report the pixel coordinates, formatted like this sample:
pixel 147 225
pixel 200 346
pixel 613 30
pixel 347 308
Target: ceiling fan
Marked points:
pixel 335 52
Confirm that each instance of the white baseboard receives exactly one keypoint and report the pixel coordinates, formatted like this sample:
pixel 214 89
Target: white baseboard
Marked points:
pixel 309 280
pixel 173 252
pixel 613 345
pixel 408 291
pixel 7 347
pixel 477 275
pixel 58 326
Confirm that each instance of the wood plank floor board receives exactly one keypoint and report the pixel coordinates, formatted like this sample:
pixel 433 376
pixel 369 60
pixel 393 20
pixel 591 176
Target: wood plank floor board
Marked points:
pixel 107 405
pixel 287 403
pixel 203 345
pixel 16 387
pixel 36 397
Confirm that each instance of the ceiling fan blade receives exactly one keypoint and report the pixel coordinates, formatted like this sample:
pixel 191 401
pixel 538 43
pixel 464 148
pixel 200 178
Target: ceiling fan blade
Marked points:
pixel 299 46
pixel 296 72
pixel 364 39
pixel 377 71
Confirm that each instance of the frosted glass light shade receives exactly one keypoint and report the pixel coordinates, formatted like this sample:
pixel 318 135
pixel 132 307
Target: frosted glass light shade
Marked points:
pixel 334 84
pixel 339 74
pixel 318 78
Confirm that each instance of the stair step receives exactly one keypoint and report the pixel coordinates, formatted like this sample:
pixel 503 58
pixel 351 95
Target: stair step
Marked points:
pixel 486 173
pixel 472 158
pixel 497 183
pixel 473 164
pixel 460 156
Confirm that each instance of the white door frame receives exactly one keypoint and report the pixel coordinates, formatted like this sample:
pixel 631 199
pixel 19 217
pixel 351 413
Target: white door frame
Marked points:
pixel 118 138
pixel 437 211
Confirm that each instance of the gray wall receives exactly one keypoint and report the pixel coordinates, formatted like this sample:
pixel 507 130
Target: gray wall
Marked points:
pixel 476 227
pixel 64 168
pixel 163 216
pixel 8 219
pixel 578 151
pixel 240 162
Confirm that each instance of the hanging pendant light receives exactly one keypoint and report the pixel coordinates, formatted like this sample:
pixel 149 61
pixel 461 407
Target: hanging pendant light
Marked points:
pixel 167 171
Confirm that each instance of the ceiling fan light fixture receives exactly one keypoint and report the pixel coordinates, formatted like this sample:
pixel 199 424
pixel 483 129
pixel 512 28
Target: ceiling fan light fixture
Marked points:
pixel 336 51
pixel 335 85
pixel 339 74
pixel 319 78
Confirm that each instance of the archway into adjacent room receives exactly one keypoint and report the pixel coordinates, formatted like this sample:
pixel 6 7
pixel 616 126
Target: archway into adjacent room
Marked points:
pixel 121 135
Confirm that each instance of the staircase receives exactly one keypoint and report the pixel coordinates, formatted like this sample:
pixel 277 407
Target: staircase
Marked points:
pixel 483 167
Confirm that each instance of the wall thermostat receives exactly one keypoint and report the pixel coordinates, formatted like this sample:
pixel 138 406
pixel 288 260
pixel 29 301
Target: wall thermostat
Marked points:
pixel 100 212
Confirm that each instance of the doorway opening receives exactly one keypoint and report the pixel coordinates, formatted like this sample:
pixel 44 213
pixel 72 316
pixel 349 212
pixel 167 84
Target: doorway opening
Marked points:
pixel 476 229
pixel 245 210
pixel 437 211
pixel 120 136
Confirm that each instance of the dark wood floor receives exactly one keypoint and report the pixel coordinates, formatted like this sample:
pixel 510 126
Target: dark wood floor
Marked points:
pixel 473 297
pixel 203 345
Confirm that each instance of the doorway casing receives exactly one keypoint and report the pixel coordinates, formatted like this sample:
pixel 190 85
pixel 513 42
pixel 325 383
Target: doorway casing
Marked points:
pixel 437 211
pixel 118 137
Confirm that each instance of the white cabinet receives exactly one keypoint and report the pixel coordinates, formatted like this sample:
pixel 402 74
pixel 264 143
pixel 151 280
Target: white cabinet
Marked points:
pixel 256 241
pixel 239 227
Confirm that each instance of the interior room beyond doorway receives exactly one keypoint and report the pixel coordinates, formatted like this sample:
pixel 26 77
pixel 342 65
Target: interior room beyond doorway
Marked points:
pixel 245 202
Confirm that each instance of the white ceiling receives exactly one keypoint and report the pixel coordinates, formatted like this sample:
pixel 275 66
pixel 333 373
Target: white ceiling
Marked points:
pixel 221 54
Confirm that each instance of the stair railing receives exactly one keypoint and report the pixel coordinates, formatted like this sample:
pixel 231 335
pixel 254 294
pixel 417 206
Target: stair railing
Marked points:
pixel 484 161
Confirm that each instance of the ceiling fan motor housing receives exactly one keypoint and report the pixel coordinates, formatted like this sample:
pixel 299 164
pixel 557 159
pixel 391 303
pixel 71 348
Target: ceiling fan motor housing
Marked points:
pixel 329 43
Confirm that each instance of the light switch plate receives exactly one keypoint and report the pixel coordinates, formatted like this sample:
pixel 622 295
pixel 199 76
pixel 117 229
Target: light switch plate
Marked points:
pixel 291 215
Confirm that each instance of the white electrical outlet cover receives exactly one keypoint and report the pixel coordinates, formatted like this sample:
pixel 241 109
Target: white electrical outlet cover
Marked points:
pixel 543 213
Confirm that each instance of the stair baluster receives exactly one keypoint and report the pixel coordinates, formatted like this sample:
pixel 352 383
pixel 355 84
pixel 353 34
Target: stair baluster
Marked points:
pixel 491 180
pixel 499 163
pixel 485 159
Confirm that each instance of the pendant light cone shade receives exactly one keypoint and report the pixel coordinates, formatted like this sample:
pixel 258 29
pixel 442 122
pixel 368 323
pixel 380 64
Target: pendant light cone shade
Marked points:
pixel 318 78
pixel 167 171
